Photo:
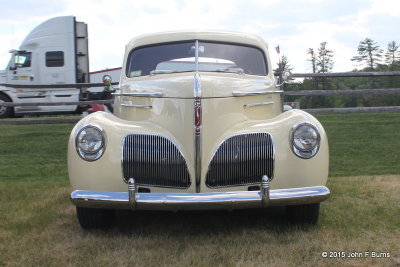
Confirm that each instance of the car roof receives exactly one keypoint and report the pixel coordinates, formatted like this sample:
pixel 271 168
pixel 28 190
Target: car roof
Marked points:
pixel 177 36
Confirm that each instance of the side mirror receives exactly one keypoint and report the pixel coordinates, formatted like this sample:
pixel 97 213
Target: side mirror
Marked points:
pixel 12 65
pixel 286 76
pixel 107 80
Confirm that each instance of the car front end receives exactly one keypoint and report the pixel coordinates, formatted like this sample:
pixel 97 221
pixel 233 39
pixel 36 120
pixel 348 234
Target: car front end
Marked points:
pixel 198 124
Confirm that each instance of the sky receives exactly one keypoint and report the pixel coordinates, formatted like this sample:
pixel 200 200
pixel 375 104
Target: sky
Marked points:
pixel 294 25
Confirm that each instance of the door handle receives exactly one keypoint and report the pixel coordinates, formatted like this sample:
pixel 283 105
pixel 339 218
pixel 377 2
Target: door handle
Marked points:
pixel 32 77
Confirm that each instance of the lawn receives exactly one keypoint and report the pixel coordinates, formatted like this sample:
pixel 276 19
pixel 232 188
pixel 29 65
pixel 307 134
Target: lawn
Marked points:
pixel 363 144
pixel 38 225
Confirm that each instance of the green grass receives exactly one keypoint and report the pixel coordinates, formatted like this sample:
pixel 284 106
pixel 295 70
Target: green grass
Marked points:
pixel 34 152
pixel 360 144
pixel 38 225
pixel 363 144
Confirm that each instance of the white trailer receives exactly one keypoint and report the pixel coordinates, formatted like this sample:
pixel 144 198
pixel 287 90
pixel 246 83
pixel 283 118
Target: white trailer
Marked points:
pixel 55 52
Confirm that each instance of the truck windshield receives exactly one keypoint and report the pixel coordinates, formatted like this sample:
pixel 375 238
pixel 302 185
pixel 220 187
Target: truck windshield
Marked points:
pixel 181 57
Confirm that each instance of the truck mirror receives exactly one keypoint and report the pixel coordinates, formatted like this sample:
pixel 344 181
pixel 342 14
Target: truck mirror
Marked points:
pixel 12 65
pixel 107 80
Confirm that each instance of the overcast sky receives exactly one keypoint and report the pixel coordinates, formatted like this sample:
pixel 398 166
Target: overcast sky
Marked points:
pixel 295 25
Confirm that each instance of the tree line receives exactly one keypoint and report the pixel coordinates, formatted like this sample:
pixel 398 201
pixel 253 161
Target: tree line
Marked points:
pixel 369 56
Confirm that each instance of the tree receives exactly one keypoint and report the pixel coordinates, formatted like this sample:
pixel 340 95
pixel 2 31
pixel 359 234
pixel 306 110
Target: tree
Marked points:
pixel 392 53
pixel 321 63
pixel 312 59
pixel 369 53
pixel 283 65
pixel 324 62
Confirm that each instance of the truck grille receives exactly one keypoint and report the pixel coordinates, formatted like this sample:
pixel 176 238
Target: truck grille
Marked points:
pixel 154 161
pixel 241 160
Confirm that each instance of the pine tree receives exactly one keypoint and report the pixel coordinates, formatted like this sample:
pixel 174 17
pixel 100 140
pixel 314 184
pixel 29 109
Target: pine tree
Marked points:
pixel 392 53
pixel 321 62
pixel 312 59
pixel 324 61
pixel 369 53
pixel 283 65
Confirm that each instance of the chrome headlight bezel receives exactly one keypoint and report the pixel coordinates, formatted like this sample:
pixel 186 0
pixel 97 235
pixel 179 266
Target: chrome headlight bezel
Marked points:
pixel 94 154
pixel 302 152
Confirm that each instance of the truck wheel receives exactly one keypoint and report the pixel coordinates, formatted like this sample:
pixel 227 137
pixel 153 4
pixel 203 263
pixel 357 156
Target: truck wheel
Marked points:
pixel 307 213
pixel 5 112
pixel 95 218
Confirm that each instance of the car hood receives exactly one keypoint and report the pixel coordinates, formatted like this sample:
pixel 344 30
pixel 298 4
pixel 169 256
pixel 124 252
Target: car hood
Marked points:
pixel 181 85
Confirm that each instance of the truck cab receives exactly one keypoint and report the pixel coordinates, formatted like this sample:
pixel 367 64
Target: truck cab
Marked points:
pixel 55 52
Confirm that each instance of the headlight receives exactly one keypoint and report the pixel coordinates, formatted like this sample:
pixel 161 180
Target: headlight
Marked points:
pixel 305 140
pixel 90 143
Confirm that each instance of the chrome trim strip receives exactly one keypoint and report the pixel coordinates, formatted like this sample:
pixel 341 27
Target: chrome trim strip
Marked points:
pixel 197 85
pixel 197 124
pixel 195 201
pixel 247 93
pixel 197 116
pixel 137 106
pixel 196 55
pixel 144 94
pixel 257 104
pixel 197 152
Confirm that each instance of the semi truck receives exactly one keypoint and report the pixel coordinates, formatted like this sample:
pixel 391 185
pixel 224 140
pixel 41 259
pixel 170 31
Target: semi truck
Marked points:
pixel 55 52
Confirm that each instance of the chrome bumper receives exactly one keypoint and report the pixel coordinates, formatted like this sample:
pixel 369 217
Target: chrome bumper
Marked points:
pixel 196 201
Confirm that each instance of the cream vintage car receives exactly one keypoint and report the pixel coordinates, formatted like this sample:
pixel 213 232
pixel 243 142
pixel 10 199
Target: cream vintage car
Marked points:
pixel 198 123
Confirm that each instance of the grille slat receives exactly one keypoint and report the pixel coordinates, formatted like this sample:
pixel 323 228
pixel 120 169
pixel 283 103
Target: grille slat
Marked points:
pixel 154 161
pixel 241 160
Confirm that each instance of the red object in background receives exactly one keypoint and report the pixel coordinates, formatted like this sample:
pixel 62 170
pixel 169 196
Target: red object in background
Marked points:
pixel 95 107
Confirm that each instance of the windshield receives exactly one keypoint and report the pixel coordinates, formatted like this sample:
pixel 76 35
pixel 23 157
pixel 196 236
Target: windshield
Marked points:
pixel 181 57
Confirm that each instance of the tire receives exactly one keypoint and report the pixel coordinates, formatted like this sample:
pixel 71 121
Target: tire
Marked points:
pixel 5 112
pixel 303 214
pixel 95 218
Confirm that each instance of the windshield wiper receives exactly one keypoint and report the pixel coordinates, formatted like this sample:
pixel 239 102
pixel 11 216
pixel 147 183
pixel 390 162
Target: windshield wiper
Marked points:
pixel 231 70
pixel 227 70
pixel 155 72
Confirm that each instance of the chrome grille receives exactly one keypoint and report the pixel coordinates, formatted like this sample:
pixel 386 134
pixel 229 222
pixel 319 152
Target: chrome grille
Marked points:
pixel 242 160
pixel 154 160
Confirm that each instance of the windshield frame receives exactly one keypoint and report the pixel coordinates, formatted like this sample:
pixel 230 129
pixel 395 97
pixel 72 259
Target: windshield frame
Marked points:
pixel 196 43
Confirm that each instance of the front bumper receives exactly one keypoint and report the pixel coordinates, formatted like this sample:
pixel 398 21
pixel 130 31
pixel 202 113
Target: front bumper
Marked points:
pixel 196 201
